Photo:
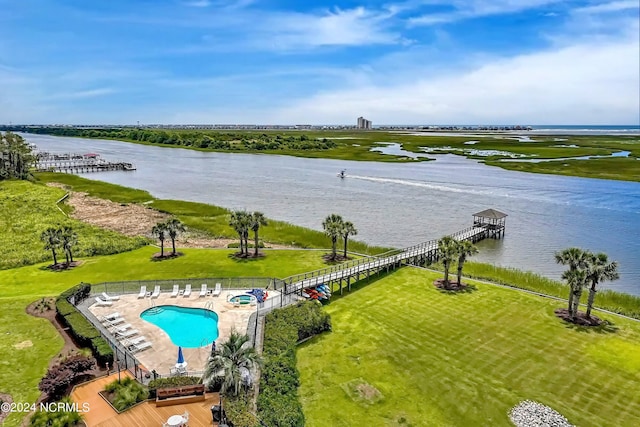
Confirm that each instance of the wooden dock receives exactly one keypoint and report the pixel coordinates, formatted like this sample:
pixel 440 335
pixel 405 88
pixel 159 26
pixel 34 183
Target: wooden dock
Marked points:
pixel 487 224
pixel 78 163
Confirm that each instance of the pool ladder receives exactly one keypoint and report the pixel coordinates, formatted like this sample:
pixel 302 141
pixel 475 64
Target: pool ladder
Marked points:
pixel 154 309
pixel 209 305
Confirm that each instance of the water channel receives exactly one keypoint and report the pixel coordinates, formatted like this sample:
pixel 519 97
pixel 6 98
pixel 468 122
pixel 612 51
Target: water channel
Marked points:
pixel 396 204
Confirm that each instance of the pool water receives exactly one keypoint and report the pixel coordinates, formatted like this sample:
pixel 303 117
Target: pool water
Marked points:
pixel 242 299
pixel 187 327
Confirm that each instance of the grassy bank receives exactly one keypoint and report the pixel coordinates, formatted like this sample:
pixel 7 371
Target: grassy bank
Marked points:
pixel 465 359
pixel 357 145
pixel 618 168
pixel 210 219
pixel 618 302
pixel 26 210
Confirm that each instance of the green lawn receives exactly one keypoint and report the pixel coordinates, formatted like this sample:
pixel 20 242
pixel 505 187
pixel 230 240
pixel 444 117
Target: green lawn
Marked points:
pixel 36 281
pixel 28 344
pixel 464 360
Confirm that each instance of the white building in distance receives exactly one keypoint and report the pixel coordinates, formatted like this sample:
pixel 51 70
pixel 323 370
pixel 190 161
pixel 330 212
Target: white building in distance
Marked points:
pixel 363 123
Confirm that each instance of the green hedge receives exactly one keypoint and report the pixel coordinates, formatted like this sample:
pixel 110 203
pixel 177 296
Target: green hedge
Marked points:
pixel 278 403
pixel 80 328
pixel 102 351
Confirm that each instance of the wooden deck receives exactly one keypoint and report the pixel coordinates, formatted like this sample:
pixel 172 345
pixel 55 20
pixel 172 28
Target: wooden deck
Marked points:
pixel 145 414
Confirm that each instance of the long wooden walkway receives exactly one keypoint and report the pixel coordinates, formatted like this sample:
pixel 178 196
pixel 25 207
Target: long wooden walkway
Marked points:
pixel 352 271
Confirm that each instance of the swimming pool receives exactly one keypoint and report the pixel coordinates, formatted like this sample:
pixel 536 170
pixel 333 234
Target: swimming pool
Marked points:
pixel 187 327
pixel 242 299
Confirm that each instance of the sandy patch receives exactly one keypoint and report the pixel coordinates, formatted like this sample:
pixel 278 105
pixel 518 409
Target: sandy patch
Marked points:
pixel 134 220
pixel 22 345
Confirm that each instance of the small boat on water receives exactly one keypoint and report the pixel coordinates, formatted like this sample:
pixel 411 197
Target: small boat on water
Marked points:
pixel 342 173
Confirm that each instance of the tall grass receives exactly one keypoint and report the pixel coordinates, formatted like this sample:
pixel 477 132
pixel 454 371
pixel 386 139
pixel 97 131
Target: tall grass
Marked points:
pixel 210 219
pixel 26 210
pixel 628 305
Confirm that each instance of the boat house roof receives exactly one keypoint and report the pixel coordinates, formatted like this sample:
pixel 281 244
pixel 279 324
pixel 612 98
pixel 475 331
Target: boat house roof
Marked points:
pixel 491 214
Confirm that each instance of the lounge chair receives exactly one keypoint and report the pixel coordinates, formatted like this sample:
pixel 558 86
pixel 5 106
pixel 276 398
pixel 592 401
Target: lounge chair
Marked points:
pixel 217 290
pixel 203 290
pixel 156 292
pixel 106 297
pixel 109 323
pixel 103 302
pixel 127 333
pixel 133 341
pixel 176 290
pixel 112 316
pixel 187 291
pixel 121 328
pixel 143 292
pixel 142 346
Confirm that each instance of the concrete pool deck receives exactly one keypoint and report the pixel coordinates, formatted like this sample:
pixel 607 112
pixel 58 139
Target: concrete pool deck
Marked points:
pixel 163 353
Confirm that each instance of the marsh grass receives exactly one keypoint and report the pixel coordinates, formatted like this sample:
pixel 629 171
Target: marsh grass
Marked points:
pixel 210 219
pixel 26 210
pixel 356 145
pixel 618 302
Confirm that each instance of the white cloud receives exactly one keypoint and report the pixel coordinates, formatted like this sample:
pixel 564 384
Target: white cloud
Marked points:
pixel 610 7
pixel 357 26
pixel 584 83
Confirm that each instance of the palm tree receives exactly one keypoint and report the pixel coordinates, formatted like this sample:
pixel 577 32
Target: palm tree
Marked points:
pixel 68 239
pixel 230 360
pixel 174 226
pixel 51 239
pixel 576 279
pixel 257 219
pixel 576 259
pixel 447 252
pixel 240 221
pixel 599 269
pixel 333 228
pixel 465 249
pixel 160 231
pixel 348 229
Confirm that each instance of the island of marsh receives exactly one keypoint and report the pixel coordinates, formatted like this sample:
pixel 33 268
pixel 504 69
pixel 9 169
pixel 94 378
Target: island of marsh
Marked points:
pixel 493 148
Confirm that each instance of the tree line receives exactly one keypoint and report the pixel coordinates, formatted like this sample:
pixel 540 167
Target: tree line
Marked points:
pixel 235 141
pixel 16 157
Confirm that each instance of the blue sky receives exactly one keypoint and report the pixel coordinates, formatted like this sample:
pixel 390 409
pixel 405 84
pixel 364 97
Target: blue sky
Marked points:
pixel 295 62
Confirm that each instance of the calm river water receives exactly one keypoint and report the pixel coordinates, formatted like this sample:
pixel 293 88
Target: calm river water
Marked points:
pixel 396 204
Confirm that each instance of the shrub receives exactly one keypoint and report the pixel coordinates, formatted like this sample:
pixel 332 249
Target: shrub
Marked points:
pixel 238 411
pixel 82 330
pixel 101 351
pixel 278 403
pixel 126 393
pixel 59 377
pixel 58 418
